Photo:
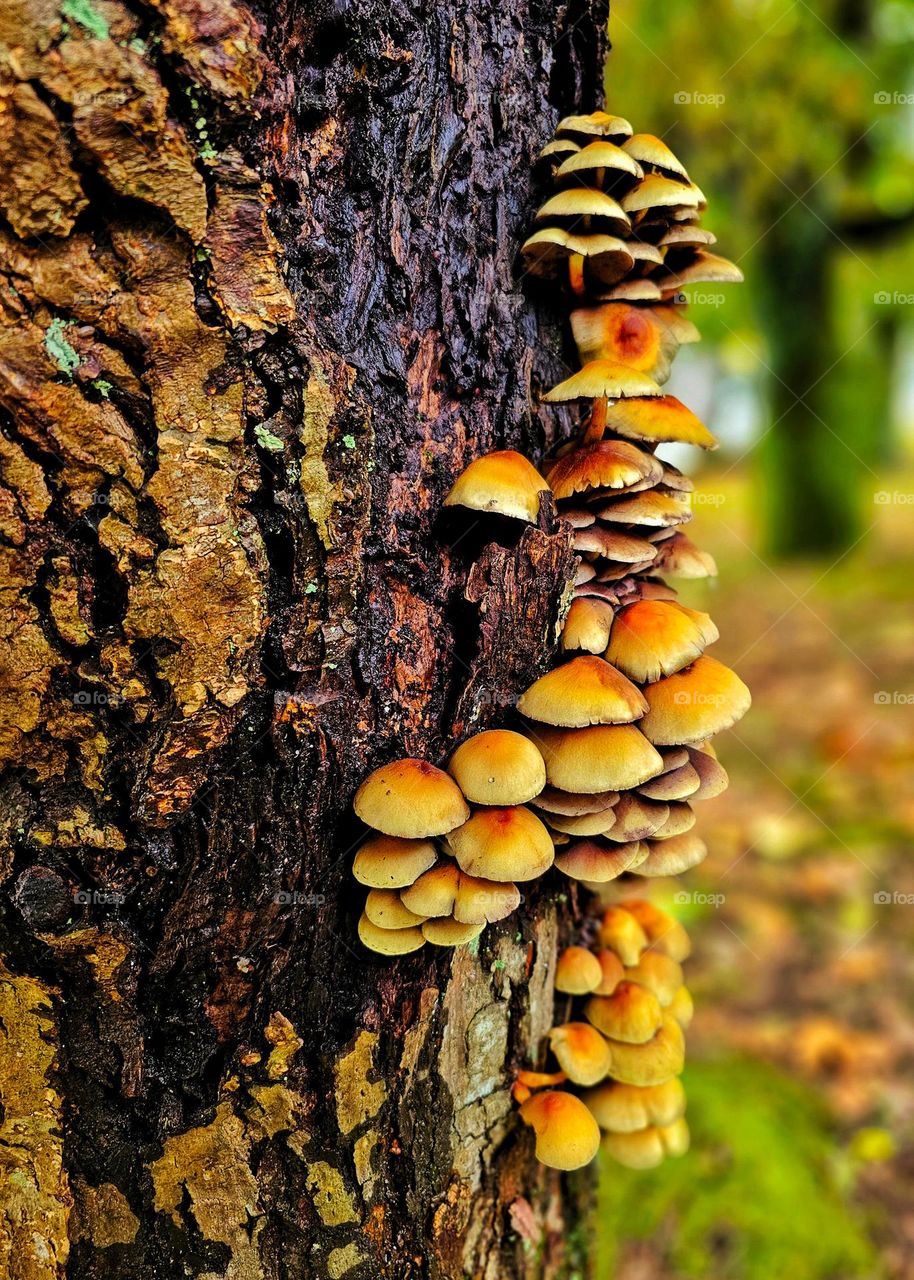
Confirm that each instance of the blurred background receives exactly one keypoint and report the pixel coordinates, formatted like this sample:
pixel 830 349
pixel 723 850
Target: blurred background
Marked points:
pixel 797 119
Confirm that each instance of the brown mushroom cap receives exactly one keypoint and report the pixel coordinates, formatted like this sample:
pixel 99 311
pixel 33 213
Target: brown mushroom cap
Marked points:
pixel 632 1014
pixel 498 767
pixel 389 942
pixel 651 509
pixel 390 862
pixel 712 775
pixel 655 638
pixel 622 933
pixel 680 556
pixel 603 378
pixel 567 1136
pixel 651 151
pixel 384 908
pixel 503 482
pixel 704 268
pixel 659 419
pixel 646 1148
pixel 573 805
pixel 672 856
pixel 655 1061
pixel 594 863
pixel 680 819
pixel 450 933
pixel 410 798
pixel 504 844
pixel 603 464
pixel 585 824
pixel 612 544
pixel 584 691
pixel 587 626
pixel 578 972
pixel 663 931
pixel 694 703
pixel 637 818
pixel 626 1108
pixel 581 1052
pixel 659 973
pixel 600 758
pixel 675 784
pixel 638 290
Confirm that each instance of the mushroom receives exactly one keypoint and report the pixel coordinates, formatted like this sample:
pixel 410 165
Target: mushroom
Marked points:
pixel 626 1108
pixel 659 419
pixel 704 268
pixel 384 908
pixel 662 930
pixel 498 767
pixel 622 933
pixel 548 251
pixel 712 775
pixel 655 638
pixel 632 1014
pixel 584 691
pixel 390 862
pixel 410 798
pixel 694 703
pixel 450 933
pixel 638 818
pixel 389 942
pixel 659 973
pixel 657 192
pixel 675 784
pixel 647 1148
pixel 581 1052
pixel 567 1136
pixel 680 819
pixel 603 464
pixel 594 863
pixel 572 805
pixel 673 856
pixel 503 482
pixel 577 972
pixel 580 204
pixel 597 157
pixel 599 758
pixel 652 153
pixel 504 844
pixel 599 124
pixel 612 972
pixel 681 558
pixel 681 1007
pixel 447 891
pixel 586 824
pixel 653 1062
pixel 640 337
pixel 587 626
pixel 628 551
pixel 651 508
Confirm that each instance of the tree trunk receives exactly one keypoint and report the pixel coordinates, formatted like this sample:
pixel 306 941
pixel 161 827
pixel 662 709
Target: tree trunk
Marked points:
pixel 261 308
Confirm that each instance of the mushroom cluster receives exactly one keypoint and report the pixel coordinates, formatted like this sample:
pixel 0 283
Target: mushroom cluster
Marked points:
pixel 437 869
pixel 623 1046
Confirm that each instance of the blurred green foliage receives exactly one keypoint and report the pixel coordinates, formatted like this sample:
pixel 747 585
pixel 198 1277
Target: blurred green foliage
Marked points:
pixel 756 1197
pixel 795 117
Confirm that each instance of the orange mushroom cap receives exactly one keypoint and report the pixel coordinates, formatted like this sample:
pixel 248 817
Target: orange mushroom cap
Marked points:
pixel 584 691
pixel 602 464
pixel 646 1148
pixel 595 863
pixel 659 973
pixel 587 626
pixel 622 933
pixel 655 638
pixel 504 482
pixel 578 972
pixel 655 1061
pixel 504 844
pixel 632 1013
pixel 694 703
pixel 626 1108
pixel 672 856
pixel 599 758
pixel 410 798
pixel 581 1052
pixel 663 931
pixel 567 1136
pixel 498 767
pixel 660 419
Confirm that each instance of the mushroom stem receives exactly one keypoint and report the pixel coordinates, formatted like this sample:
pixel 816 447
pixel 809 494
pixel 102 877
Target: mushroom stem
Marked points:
pixel 540 1079
pixel 576 274
pixel 596 423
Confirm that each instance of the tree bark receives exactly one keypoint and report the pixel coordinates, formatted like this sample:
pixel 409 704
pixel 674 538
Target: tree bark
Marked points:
pixel 260 309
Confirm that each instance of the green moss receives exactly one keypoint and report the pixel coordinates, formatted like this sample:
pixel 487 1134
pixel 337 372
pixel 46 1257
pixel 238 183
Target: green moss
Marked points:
pixel 81 11
pixel 267 440
pixel 59 349
pixel 755 1198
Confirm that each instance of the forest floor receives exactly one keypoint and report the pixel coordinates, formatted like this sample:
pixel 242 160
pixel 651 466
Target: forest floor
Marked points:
pixel 801 1075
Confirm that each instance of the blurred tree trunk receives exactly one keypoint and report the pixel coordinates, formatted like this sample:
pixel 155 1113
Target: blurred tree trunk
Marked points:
pixel 260 309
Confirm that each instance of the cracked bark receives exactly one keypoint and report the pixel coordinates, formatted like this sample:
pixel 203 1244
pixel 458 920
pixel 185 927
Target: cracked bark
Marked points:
pixel 260 308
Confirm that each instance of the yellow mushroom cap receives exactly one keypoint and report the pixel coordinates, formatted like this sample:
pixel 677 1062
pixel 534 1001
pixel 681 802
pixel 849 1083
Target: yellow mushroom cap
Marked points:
pixel 680 557
pixel 503 482
pixel 626 1108
pixel 659 419
pixel 607 378
pixel 694 704
pixel 646 1148
pixel 584 691
pixel 410 798
pixel 547 251
pixel 450 933
pixel 681 1007
pixel 584 202
pixel 674 855
pixel 659 973
pixel 390 862
pixel 578 972
pixel 648 150
pixel 637 818
pixel 585 824
pixel 389 942
pixel 655 638
pixel 657 192
pixel 611 544
pixel 600 155
pixel 712 775
pixel 705 268
pixel 650 508
pixel 612 972
pixel 603 464
pixel 581 1052
pixel 662 930
pixel 595 863
pixel 622 933
pixel 655 1061
pixel 631 1014
pixel 599 124
pixel 681 819
pixel 587 625
pixel 567 1136
pixel 505 844
pixel 640 289
pixel 448 891
pixel 498 767
pixel 384 908
pixel 600 758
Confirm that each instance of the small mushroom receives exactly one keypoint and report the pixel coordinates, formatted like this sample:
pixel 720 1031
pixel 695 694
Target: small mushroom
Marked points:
pixel 638 818
pixel 647 1148
pixel 505 844
pixel 612 972
pixel 603 464
pixel 577 972
pixel 572 805
pixel 650 509
pixel 584 691
pixel 498 767
pixel 599 124
pixel 384 908
pixel 626 1108
pixel 581 1052
pixel 659 973
pixel 390 862
pixel 657 192
pixel 712 775
pixel 593 863
pixel 662 930
pixel 587 626
pixel 578 204
pixel 622 933
pixel 632 1014
pixel 681 558
pixel 679 820
pixel 600 758
pixel 694 703
pixel 503 482
pixel 450 933
pixel 597 157
pixel 660 420
pixel 651 639
pixel 389 942
pixel 652 153
pixel 567 1136
pixel 412 799
pixel 675 784
pixel 586 824
pixel 673 856
pixel 704 268
pixel 655 1061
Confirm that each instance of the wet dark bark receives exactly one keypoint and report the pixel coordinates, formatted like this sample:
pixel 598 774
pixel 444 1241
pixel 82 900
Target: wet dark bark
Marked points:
pixel 264 311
